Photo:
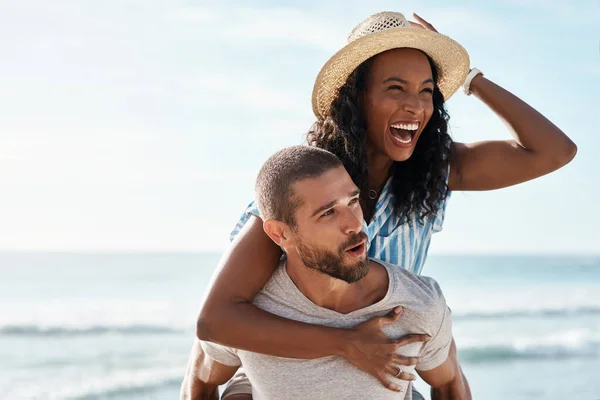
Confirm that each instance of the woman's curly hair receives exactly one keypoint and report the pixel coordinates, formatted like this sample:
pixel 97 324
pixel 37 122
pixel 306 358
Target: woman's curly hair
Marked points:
pixel 419 183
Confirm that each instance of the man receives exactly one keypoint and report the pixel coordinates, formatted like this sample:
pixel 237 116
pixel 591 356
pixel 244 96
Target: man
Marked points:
pixel 310 207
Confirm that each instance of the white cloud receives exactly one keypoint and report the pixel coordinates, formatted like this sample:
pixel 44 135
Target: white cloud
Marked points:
pixel 234 91
pixel 265 26
pixel 592 69
pixel 289 27
pixel 317 29
pixel 194 14
pixel 583 13
pixel 458 22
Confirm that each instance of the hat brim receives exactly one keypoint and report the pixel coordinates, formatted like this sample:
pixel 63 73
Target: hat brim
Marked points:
pixel 450 58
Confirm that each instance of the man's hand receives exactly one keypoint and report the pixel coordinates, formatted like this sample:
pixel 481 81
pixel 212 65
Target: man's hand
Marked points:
pixel 370 350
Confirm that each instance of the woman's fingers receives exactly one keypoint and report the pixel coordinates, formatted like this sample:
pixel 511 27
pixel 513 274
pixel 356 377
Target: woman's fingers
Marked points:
pixel 424 23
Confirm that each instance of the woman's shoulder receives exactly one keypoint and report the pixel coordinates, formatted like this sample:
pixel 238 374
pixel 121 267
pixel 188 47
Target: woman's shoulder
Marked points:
pixel 251 210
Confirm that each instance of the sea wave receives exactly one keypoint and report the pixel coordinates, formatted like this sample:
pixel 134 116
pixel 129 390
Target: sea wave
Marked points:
pixel 528 313
pixel 497 354
pixel 126 390
pixel 102 328
pixel 120 384
pixel 570 344
pixel 59 331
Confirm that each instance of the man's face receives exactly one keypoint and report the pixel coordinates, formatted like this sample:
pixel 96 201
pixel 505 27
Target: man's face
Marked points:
pixel 328 233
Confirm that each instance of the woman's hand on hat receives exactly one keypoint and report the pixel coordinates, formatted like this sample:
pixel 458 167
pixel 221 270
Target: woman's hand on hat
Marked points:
pixel 422 23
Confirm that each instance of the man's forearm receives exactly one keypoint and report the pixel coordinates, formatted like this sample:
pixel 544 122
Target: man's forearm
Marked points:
pixel 193 388
pixel 457 389
pixel 199 382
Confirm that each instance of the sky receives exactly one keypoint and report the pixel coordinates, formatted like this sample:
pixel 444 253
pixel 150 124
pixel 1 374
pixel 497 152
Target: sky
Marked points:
pixel 140 125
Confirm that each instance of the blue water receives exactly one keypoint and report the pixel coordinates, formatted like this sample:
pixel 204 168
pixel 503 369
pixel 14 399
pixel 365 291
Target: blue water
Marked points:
pixel 120 326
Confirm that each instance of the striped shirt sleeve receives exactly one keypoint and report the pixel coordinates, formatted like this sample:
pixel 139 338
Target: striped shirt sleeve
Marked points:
pixel 438 221
pixel 251 210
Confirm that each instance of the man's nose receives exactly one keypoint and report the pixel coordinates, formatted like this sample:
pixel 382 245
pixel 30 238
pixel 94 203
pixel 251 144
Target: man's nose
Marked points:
pixel 352 221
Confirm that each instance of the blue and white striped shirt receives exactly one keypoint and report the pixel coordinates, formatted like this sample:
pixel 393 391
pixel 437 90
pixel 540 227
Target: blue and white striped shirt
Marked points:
pixel 405 245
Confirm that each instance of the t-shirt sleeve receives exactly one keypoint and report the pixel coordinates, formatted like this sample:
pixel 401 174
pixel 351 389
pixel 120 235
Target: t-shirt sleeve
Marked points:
pixel 251 210
pixel 435 352
pixel 221 354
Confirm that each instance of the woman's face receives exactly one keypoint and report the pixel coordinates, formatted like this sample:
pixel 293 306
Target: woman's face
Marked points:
pixel 398 102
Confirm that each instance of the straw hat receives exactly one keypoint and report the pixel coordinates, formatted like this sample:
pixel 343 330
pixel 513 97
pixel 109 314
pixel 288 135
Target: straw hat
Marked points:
pixel 385 31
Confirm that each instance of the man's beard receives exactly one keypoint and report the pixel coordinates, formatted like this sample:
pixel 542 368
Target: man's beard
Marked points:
pixel 331 263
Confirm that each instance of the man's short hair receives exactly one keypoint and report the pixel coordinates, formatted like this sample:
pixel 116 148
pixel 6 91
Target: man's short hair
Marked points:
pixel 274 193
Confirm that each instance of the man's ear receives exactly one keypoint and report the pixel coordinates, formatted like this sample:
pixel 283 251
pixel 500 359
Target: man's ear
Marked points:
pixel 278 231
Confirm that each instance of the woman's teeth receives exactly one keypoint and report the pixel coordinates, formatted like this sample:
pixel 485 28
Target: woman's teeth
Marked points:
pixel 405 141
pixel 404 133
pixel 408 127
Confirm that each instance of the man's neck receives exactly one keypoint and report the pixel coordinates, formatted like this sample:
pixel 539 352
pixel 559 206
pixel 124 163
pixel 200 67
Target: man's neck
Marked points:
pixel 336 294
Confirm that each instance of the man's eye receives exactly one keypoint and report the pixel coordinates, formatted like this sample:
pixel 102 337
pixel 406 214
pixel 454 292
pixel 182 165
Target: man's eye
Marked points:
pixel 395 87
pixel 428 90
pixel 327 213
pixel 354 200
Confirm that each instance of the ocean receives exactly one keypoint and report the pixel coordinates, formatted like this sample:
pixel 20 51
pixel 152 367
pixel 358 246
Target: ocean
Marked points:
pixel 120 326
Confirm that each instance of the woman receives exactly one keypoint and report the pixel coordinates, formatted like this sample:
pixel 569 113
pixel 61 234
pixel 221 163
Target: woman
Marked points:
pixel 379 104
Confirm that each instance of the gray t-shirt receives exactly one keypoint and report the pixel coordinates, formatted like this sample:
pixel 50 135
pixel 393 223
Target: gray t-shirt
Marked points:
pixel 333 377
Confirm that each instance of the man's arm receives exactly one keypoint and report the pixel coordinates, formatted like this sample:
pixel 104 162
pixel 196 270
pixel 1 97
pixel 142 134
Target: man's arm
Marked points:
pixel 204 375
pixel 447 380
pixel 438 362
